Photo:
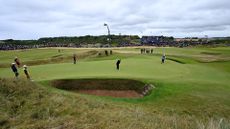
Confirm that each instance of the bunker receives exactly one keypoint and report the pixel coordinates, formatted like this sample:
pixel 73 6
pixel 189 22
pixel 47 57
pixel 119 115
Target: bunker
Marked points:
pixel 120 88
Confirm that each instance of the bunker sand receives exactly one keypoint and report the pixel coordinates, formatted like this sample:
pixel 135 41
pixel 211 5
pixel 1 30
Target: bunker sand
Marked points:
pixel 119 88
pixel 112 93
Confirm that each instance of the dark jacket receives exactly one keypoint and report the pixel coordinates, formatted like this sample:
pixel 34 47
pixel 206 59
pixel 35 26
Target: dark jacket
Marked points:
pixel 118 62
pixel 14 68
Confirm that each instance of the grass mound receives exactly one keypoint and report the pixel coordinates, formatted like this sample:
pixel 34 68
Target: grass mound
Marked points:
pixel 210 53
pixel 18 99
pixel 56 58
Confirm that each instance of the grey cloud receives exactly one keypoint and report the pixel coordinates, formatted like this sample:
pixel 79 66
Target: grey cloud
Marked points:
pixel 25 19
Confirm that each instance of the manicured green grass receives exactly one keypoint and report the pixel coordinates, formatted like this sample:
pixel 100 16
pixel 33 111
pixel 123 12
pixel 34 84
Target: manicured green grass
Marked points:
pixel 194 82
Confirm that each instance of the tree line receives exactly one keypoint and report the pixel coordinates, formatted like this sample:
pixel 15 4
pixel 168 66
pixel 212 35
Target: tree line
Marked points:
pixel 78 40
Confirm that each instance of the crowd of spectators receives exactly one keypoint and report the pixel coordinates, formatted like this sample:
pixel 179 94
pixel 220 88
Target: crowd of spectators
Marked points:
pixel 146 41
pixel 8 46
pixel 170 41
pixel 16 47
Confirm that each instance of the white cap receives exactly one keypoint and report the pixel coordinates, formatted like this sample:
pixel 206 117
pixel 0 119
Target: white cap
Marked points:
pixel 24 66
pixel 13 63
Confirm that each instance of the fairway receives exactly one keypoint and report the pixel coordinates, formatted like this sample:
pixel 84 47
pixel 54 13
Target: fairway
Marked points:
pixel 192 83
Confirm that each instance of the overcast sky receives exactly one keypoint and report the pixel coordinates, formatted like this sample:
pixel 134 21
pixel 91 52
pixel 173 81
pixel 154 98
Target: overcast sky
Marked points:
pixel 32 19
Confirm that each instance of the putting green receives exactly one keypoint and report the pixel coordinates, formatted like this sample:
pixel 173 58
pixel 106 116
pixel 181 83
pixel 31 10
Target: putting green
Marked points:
pixel 147 68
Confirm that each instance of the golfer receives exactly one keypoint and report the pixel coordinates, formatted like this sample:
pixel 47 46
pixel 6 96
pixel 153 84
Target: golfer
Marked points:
pixel 118 64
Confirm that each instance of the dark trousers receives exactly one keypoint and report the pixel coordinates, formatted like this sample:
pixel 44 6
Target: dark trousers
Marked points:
pixel 74 61
pixel 118 67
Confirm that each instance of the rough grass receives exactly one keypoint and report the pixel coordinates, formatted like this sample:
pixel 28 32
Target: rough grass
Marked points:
pixel 25 104
pixel 54 58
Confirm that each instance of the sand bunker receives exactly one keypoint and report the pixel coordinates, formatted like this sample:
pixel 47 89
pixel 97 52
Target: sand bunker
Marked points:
pixel 121 88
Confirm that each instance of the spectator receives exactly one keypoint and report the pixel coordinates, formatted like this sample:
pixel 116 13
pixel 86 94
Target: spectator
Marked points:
pixel 16 60
pixel 26 72
pixel 106 53
pixel 74 58
pixel 14 69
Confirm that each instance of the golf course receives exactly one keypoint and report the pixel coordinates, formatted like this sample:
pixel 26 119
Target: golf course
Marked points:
pixel 191 90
